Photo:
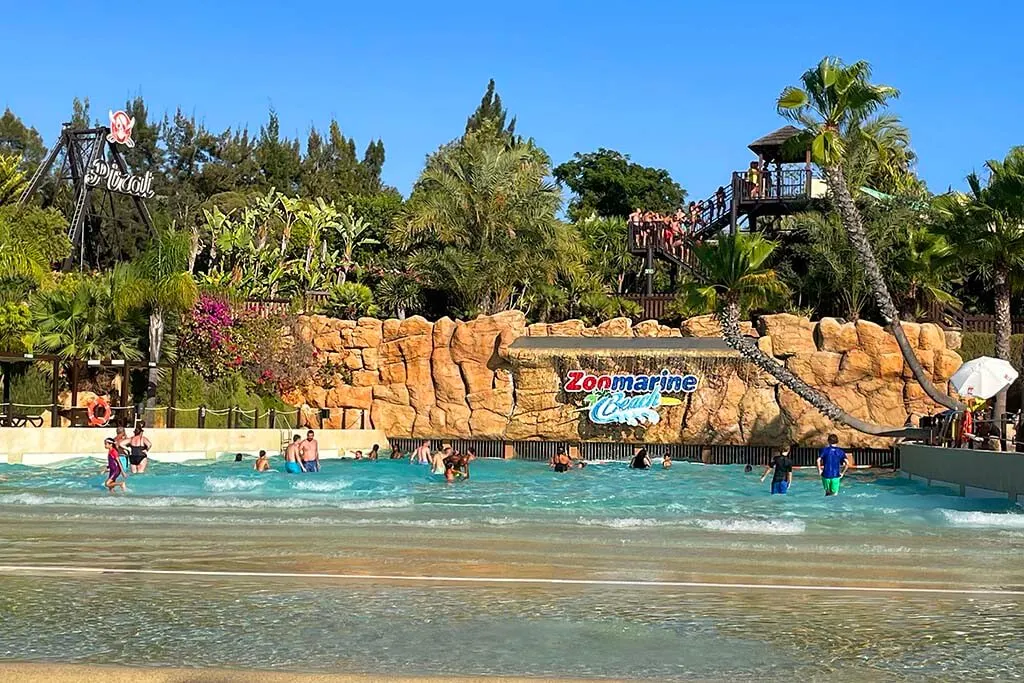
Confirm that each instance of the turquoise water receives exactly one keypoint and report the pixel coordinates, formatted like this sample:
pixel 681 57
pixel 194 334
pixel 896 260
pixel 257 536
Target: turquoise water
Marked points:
pixel 512 519
pixel 500 493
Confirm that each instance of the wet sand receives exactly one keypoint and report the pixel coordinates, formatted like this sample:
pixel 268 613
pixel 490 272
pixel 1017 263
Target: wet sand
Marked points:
pixel 74 673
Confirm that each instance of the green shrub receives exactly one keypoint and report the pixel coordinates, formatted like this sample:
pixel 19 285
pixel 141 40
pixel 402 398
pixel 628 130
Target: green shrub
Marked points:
pixel 31 387
pixel 977 344
pixel 219 395
pixel 350 301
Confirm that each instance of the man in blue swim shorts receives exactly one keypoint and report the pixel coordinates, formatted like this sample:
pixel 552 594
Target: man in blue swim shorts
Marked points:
pixel 309 451
pixel 782 468
pixel 292 464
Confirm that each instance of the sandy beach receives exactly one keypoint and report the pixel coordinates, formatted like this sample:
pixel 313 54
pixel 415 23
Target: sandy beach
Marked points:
pixel 73 673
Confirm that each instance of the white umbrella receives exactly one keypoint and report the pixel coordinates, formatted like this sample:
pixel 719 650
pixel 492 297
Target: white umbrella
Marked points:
pixel 983 377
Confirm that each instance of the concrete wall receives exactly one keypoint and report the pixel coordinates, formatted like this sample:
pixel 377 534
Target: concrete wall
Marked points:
pixel 44 446
pixel 971 473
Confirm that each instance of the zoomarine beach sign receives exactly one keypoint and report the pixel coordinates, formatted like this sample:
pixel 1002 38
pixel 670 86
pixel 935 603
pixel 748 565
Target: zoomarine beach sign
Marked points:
pixel 628 399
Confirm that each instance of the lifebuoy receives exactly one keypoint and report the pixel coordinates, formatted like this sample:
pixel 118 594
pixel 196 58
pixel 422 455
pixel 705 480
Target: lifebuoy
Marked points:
pixel 102 419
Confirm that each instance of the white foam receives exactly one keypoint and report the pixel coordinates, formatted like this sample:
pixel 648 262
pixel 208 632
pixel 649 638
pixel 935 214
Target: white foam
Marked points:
pixel 622 522
pixel 131 500
pixel 743 526
pixel 995 520
pixel 320 486
pixel 232 483
pixel 752 526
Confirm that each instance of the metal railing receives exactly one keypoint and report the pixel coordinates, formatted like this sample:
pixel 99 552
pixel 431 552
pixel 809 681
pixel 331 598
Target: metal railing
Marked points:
pixel 772 186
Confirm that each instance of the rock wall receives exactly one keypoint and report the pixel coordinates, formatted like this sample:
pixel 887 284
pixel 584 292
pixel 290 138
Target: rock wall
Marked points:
pixel 461 380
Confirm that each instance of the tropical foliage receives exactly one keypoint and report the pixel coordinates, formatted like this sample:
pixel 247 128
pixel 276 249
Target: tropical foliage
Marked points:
pixel 490 224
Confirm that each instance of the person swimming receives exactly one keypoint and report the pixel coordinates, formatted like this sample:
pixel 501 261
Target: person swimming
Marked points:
pixel 641 461
pixel 560 462
pixel 666 460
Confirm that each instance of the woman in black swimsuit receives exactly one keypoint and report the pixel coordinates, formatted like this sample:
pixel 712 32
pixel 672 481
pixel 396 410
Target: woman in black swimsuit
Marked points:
pixel 640 460
pixel 561 462
pixel 138 454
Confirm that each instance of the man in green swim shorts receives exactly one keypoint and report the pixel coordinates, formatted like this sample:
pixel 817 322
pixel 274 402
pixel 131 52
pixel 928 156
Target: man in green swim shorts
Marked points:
pixel 832 465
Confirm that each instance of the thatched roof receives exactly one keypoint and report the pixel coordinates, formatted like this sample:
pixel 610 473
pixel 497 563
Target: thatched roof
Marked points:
pixel 778 146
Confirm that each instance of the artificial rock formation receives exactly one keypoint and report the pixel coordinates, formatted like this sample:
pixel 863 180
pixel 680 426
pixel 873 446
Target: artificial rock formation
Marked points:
pixel 460 379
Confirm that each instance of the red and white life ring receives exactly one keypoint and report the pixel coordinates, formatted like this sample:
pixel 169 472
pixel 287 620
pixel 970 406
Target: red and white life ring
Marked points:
pixel 103 418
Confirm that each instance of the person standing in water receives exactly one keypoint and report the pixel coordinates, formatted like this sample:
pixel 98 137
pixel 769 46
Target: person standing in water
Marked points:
pixel 560 462
pixel 309 452
pixel 438 461
pixel 138 454
pixel 292 464
pixel 832 465
pixel 641 461
pixel 262 463
pixel 421 456
pixel 374 452
pixel 666 460
pixel 114 470
pixel 782 468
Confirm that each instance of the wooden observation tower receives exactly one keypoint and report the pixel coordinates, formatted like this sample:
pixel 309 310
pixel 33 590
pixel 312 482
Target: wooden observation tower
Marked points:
pixel 780 182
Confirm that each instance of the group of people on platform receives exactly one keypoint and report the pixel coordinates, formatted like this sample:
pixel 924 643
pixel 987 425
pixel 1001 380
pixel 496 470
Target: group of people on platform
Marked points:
pixel 668 231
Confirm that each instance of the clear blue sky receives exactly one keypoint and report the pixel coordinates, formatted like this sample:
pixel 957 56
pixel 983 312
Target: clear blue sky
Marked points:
pixel 678 85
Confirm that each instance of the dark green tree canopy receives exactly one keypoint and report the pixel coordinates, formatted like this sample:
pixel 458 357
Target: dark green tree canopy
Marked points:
pixel 607 183
pixel 18 139
pixel 491 113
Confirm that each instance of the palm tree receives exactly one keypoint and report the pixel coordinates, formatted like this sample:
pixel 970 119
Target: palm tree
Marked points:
pixel 608 249
pixel 158 281
pixel 20 258
pixel 12 179
pixel 833 105
pixel 986 225
pixel 482 222
pixel 77 320
pixel 736 278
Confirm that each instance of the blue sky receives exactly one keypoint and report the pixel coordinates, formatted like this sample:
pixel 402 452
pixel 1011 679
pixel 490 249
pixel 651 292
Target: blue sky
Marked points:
pixel 678 85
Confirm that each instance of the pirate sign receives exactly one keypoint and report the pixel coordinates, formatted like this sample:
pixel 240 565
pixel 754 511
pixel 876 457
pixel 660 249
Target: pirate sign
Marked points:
pixel 121 128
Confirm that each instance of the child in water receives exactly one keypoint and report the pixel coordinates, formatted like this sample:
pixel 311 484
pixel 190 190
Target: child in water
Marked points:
pixel 262 463
pixel 114 469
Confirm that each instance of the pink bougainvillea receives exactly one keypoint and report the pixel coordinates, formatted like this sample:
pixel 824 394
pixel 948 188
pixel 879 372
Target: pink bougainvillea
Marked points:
pixel 217 339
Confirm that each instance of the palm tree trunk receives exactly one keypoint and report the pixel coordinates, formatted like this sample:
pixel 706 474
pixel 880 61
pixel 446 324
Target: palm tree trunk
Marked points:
pixel 156 340
pixel 850 216
pixel 730 319
pixel 1004 328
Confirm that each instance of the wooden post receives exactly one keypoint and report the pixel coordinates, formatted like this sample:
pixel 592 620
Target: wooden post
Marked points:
pixel 54 412
pixel 7 392
pixel 231 417
pixel 201 419
pixel 298 417
pixel 272 418
pixel 74 388
pixel 737 187
pixel 171 409
pixel 126 393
